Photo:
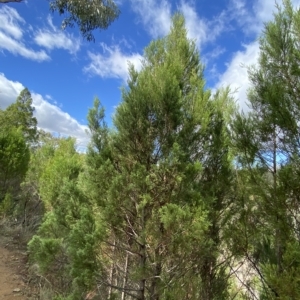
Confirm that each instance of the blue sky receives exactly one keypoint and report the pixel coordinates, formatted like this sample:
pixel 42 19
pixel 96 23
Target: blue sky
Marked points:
pixel 64 73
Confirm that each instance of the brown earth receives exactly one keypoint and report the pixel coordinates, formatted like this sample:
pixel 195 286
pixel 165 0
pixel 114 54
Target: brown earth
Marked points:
pixel 11 282
pixel 14 278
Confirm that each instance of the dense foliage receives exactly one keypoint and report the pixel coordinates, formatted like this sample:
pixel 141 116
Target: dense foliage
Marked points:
pixel 160 180
pixel 184 197
pixel 17 132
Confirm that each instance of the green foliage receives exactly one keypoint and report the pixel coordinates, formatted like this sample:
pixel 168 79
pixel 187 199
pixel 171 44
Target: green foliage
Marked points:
pixel 286 284
pixel 161 180
pixel 40 156
pixel 14 159
pixel 184 192
pixel 63 167
pixel 20 115
pixel 17 132
pixel 184 198
pixel 67 239
pixel 44 251
pixel 6 204
pixel 91 15
pixel 30 207
pixel 267 140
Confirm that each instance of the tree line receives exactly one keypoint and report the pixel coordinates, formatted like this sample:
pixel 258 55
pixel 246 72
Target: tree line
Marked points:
pixel 184 197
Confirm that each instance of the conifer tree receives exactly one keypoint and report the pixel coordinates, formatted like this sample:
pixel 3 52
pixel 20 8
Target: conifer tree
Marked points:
pixel 65 245
pixel 31 208
pixel 20 115
pixel 163 178
pixel 268 139
pixel 14 159
pixel 17 133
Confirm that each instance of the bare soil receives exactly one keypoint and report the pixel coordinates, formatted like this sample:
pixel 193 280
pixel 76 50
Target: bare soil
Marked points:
pixel 11 282
pixel 14 277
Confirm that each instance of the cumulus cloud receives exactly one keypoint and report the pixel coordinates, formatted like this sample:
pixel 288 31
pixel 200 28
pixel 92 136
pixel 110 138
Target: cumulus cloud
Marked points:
pixel 239 12
pixel 10 22
pixel 19 48
pixel 54 38
pixel 251 22
pixel 52 119
pixel 236 74
pixel 199 29
pixel 9 90
pixel 12 35
pixel 154 15
pixel 49 116
pixel 112 63
pixel 156 18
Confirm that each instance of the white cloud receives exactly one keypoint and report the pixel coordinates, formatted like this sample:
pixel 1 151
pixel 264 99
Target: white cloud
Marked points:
pixel 112 63
pixel 238 11
pixel 11 35
pixel 9 19
pixel 53 38
pixel 155 15
pixel 9 90
pixel 18 48
pixel 50 117
pixel 296 3
pixel 199 29
pixel 12 31
pixel 236 74
pixel 48 97
pixel 213 54
pixel 263 12
pixel 253 21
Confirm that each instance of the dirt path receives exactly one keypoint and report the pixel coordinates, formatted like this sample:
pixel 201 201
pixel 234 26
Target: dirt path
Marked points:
pixel 12 286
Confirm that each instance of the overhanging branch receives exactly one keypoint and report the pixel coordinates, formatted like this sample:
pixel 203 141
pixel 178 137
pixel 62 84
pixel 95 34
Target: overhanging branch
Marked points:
pixel 9 1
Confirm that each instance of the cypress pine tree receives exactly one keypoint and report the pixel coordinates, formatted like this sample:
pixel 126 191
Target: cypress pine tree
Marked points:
pixel 20 115
pixel 65 245
pixel 14 159
pixel 268 139
pixel 163 177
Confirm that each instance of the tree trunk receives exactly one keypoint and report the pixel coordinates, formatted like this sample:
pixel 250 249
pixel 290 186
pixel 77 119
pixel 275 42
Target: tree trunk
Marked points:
pixel 143 259
pixel 123 296
pixel 111 273
pixel 154 291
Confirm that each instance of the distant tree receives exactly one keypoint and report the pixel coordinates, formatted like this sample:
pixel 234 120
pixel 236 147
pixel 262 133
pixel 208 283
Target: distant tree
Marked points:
pixel 18 132
pixel 31 207
pixel 88 15
pixel 14 159
pixel 20 115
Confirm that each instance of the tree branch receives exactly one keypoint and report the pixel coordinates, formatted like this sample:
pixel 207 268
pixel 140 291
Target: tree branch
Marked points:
pixel 9 1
